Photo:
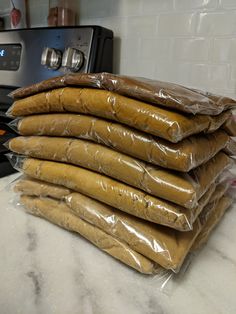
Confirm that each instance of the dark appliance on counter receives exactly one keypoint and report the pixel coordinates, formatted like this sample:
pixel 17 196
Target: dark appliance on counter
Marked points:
pixel 28 56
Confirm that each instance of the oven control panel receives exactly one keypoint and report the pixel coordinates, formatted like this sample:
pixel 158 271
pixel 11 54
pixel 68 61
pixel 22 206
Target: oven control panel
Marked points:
pixel 51 58
pixel 10 57
pixel 71 59
pixel 28 56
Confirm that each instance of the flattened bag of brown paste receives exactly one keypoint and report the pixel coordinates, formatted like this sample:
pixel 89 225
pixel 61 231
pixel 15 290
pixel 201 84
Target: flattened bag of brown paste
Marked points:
pixel 165 246
pixel 114 193
pixel 58 213
pixel 230 148
pixel 230 125
pixel 169 125
pixel 181 189
pixel 164 94
pixel 34 187
pixel 182 156
pixel 210 221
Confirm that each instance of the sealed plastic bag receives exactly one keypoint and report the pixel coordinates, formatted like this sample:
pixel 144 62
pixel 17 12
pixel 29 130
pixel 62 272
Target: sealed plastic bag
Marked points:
pixel 163 245
pixel 230 148
pixel 182 156
pixel 181 189
pixel 164 94
pixel 171 126
pixel 33 187
pixel 58 213
pixel 114 193
pixel 209 221
pixel 230 125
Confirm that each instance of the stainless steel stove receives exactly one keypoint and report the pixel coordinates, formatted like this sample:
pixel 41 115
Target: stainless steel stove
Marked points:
pixel 28 56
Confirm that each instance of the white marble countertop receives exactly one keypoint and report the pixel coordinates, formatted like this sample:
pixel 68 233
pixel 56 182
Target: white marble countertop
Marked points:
pixel 44 269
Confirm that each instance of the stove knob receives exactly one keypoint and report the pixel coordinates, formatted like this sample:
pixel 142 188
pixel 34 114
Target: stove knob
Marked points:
pixel 72 59
pixel 51 58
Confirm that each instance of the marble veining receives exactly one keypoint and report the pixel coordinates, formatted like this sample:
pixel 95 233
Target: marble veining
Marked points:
pixel 44 269
pixel 36 282
pixel 32 238
pixel 223 256
pixel 34 274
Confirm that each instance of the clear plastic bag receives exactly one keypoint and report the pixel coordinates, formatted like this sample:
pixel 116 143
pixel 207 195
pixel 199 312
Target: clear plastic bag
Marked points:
pixel 182 156
pixel 230 125
pixel 58 213
pixel 33 187
pixel 181 189
pixel 163 123
pixel 164 94
pixel 213 215
pixel 114 193
pixel 162 245
pixel 230 147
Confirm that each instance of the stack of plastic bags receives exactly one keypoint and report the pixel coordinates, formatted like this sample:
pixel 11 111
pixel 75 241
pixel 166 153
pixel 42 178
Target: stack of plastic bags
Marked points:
pixel 137 167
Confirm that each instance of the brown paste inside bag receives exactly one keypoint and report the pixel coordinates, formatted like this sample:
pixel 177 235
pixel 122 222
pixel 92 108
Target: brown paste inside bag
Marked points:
pixel 182 189
pixel 182 156
pixel 58 213
pixel 168 95
pixel 230 126
pixel 163 245
pixel 213 218
pixel 115 193
pixel 160 122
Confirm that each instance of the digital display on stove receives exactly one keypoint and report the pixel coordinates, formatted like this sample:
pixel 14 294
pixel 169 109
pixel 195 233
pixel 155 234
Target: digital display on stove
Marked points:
pixel 10 57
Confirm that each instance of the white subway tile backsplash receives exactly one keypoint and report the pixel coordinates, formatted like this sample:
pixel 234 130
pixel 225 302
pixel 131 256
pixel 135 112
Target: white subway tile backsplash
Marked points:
pixel 38 14
pixel 134 67
pixel 154 7
pixel 142 26
pixel 232 80
pixel 146 69
pixel 217 24
pixel 231 87
pixel 233 73
pixel 181 73
pixel 156 48
pixel 164 71
pixel 130 47
pixel 224 50
pixel 36 2
pixel 148 48
pixel 220 50
pixel 227 3
pixel 117 24
pixel 195 4
pixel 90 21
pixel 191 49
pixel 190 42
pixel 177 24
pixel 5 4
pixel 219 76
pixel 173 72
pixel 199 76
pixel 122 67
pixel 101 8
pixel 126 7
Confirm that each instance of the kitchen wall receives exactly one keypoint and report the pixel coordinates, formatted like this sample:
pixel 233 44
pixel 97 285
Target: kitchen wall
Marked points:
pixel 192 42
